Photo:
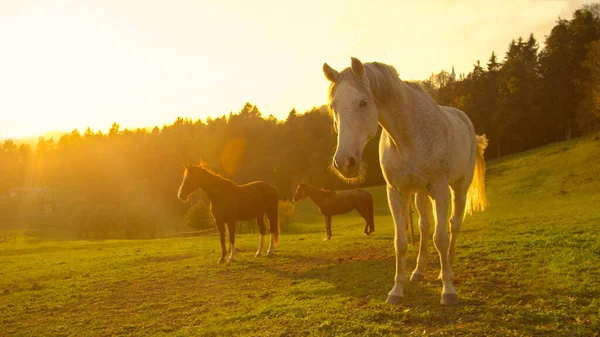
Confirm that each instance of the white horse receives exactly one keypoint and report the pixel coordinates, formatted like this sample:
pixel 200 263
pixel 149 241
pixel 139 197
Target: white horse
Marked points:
pixel 424 148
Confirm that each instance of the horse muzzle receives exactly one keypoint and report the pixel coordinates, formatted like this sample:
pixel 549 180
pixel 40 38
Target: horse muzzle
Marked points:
pixel 185 197
pixel 346 166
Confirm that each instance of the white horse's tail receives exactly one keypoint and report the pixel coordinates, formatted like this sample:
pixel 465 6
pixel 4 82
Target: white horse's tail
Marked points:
pixel 476 199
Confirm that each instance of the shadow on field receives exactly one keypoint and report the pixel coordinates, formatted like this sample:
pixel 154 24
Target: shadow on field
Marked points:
pixel 362 282
pixel 362 275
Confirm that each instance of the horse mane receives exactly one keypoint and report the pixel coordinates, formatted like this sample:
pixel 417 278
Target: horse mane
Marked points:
pixel 414 85
pixel 204 167
pixel 318 189
pixel 384 82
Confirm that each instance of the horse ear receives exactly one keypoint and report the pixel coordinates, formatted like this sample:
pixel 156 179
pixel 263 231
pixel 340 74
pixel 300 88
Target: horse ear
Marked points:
pixel 357 66
pixel 330 73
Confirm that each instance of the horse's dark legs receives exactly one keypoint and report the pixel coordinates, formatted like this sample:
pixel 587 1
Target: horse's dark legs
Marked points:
pixel 372 217
pixel 367 214
pixel 260 221
pixel 328 227
pixel 221 227
pixel 231 226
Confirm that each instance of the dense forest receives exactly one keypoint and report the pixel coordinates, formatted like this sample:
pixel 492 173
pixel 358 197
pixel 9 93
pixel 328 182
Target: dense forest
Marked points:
pixel 532 97
pixel 529 98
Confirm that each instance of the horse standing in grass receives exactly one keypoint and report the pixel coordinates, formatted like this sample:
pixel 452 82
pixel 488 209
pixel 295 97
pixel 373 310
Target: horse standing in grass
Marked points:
pixel 332 203
pixel 424 148
pixel 230 202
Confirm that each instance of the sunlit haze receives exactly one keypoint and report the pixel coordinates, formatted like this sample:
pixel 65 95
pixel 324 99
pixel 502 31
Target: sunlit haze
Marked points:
pixel 73 64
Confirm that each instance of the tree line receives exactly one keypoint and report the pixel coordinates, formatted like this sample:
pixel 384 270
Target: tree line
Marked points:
pixel 99 178
pixel 533 97
pixel 527 99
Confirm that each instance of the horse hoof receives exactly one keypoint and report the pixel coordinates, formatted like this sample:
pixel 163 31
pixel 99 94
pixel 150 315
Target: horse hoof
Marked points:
pixel 270 253
pixel 326 239
pixel 221 260
pixel 449 299
pixel 231 260
pixel 258 254
pixel 417 277
pixel 391 299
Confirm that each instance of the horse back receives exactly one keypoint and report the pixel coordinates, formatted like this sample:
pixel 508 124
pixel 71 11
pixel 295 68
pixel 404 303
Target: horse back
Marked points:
pixel 266 190
pixel 462 145
pixel 259 194
pixel 245 202
pixel 458 119
pixel 346 201
pixel 361 198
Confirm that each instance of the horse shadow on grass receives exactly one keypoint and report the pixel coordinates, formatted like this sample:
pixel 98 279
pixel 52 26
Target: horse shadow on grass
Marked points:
pixel 365 283
pixel 349 276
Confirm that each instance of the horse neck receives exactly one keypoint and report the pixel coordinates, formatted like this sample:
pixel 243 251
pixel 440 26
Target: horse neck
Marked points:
pixel 317 196
pixel 402 115
pixel 212 185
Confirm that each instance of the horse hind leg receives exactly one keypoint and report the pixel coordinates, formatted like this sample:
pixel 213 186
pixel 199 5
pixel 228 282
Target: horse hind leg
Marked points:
pixel 221 227
pixel 328 227
pixel 423 205
pixel 460 200
pixel 231 226
pixel 260 221
pixel 364 214
pixel 367 213
pixel 273 216
pixel 371 216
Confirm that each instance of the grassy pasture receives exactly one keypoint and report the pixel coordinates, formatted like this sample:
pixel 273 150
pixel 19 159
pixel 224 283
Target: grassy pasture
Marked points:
pixel 529 265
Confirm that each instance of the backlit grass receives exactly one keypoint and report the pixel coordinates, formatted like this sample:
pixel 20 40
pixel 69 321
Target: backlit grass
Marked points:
pixel 529 265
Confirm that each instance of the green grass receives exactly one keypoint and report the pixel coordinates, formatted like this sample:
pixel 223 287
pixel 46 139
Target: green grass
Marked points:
pixel 528 265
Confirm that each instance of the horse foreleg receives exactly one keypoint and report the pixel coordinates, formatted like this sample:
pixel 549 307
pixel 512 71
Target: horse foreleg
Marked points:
pixel 231 227
pixel 328 227
pixel 423 205
pixel 441 195
pixel 221 227
pixel 399 203
pixel 260 221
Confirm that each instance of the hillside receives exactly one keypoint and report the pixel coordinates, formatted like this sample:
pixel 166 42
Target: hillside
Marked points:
pixel 528 265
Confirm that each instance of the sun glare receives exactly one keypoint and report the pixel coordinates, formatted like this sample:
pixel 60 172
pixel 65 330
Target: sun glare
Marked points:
pixel 69 65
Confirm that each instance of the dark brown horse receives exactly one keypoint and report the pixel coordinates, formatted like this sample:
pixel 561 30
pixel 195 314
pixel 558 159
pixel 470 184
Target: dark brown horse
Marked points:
pixel 230 202
pixel 331 203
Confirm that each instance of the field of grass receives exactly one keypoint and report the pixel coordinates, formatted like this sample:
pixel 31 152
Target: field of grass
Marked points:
pixel 528 265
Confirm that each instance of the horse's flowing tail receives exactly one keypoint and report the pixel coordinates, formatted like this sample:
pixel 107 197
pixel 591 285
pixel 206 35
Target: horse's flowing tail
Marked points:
pixel 476 198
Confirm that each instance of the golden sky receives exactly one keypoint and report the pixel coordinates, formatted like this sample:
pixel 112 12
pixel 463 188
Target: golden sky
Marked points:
pixel 72 64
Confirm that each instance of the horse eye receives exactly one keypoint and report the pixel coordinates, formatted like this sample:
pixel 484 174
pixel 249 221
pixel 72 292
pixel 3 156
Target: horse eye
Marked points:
pixel 363 103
